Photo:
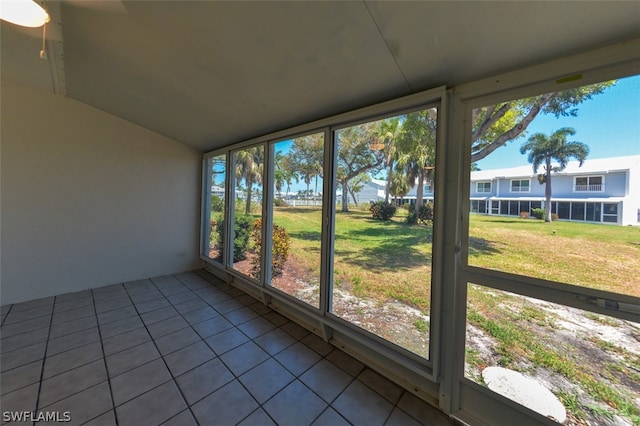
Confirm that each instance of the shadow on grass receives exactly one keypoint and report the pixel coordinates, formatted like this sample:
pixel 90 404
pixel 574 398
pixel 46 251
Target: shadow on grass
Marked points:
pixel 387 246
pixel 480 246
pixel 306 235
pixel 301 210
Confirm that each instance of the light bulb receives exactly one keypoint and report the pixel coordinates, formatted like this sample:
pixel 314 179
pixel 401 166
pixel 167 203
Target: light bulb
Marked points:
pixel 26 13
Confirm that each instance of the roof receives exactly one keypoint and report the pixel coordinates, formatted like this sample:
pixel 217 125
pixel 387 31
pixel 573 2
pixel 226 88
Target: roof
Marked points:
pixel 596 165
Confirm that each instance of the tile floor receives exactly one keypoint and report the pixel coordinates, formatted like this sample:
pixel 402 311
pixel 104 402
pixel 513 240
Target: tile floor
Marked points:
pixel 185 349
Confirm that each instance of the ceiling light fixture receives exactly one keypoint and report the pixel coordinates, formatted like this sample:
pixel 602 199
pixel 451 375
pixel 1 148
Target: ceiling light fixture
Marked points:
pixel 26 13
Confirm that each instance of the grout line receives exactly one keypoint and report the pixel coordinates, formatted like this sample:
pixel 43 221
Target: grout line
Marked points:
pixel 104 360
pixel 44 359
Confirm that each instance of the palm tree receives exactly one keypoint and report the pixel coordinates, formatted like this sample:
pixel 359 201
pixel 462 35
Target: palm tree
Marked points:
pixel 415 149
pixel 388 132
pixel 249 168
pixel 543 149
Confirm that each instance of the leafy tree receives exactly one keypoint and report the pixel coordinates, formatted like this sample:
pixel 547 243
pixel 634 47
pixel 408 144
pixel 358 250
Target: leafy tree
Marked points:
pixel 249 167
pixel 416 149
pixel 495 125
pixel 306 157
pixel 386 134
pixel 356 184
pixel 543 149
pixel 288 171
pixel 279 173
pixel 355 157
pixel 398 185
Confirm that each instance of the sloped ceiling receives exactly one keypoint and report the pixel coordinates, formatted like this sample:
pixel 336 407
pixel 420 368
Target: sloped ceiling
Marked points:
pixel 210 73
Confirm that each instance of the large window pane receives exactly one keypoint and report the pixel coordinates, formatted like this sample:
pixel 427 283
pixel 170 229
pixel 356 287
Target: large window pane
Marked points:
pixel 382 255
pixel 216 169
pixel 590 362
pixel 561 142
pixel 297 216
pixel 247 211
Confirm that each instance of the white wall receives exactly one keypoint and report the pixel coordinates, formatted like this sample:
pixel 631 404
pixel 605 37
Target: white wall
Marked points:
pixel 89 199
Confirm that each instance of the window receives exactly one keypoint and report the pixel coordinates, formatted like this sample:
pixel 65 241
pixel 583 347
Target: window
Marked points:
pixel 594 211
pixel 298 172
pixel 588 184
pixel 483 187
pixel 478 206
pixel 214 203
pixel 541 299
pixel 382 269
pixel 577 211
pixel 246 213
pixel 610 213
pixel 520 185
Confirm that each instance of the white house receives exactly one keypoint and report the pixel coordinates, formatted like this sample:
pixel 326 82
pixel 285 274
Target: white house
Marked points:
pixel 374 190
pixel 603 190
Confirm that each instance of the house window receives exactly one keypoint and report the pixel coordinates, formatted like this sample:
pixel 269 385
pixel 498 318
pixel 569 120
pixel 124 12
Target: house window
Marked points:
pixel 483 187
pixel 610 213
pixel 593 212
pixel 520 185
pixel 588 184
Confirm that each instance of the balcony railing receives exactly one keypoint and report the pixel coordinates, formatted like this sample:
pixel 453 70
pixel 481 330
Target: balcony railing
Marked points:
pixel 588 188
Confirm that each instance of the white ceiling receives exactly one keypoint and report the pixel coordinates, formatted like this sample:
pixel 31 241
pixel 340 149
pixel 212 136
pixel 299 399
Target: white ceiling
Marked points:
pixel 211 73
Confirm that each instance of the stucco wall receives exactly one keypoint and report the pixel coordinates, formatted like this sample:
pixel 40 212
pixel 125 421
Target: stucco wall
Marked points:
pixel 88 199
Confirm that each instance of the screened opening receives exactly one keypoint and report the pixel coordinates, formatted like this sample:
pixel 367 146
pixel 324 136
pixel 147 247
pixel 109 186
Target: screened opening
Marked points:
pixel 588 361
pixel 246 214
pixel 571 122
pixel 382 253
pixel 215 201
pixel 298 174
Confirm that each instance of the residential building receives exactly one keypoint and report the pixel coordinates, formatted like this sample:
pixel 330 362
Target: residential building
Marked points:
pixel 604 190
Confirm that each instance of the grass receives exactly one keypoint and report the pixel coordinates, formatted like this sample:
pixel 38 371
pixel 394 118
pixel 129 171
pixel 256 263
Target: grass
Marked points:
pixel 508 321
pixel 583 254
pixel 382 260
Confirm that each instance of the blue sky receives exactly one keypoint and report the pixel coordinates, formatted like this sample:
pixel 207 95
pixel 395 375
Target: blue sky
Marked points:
pixel 608 123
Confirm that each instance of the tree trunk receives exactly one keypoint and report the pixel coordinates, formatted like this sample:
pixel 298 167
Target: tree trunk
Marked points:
pixel 353 196
pixel 419 191
pixel 547 190
pixel 345 195
pixel 247 208
pixel 386 189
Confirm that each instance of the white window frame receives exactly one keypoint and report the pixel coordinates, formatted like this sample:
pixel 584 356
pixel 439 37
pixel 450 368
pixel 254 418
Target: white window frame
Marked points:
pixel 460 396
pixel 588 185
pixel 401 365
pixel 443 382
pixel 484 191
pixel 520 191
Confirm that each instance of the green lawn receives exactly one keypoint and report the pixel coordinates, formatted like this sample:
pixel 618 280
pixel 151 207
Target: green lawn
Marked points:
pixel 606 257
pixel 372 258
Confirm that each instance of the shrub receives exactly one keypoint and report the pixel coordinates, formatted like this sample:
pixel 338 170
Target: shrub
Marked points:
pixel 381 210
pixel 424 215
pixel 217 204
pixel 524 215
pixel 279 202
pixel 241 233
pixel 542 213
pixel 214 233
pixel 538 213
pixel 280 245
